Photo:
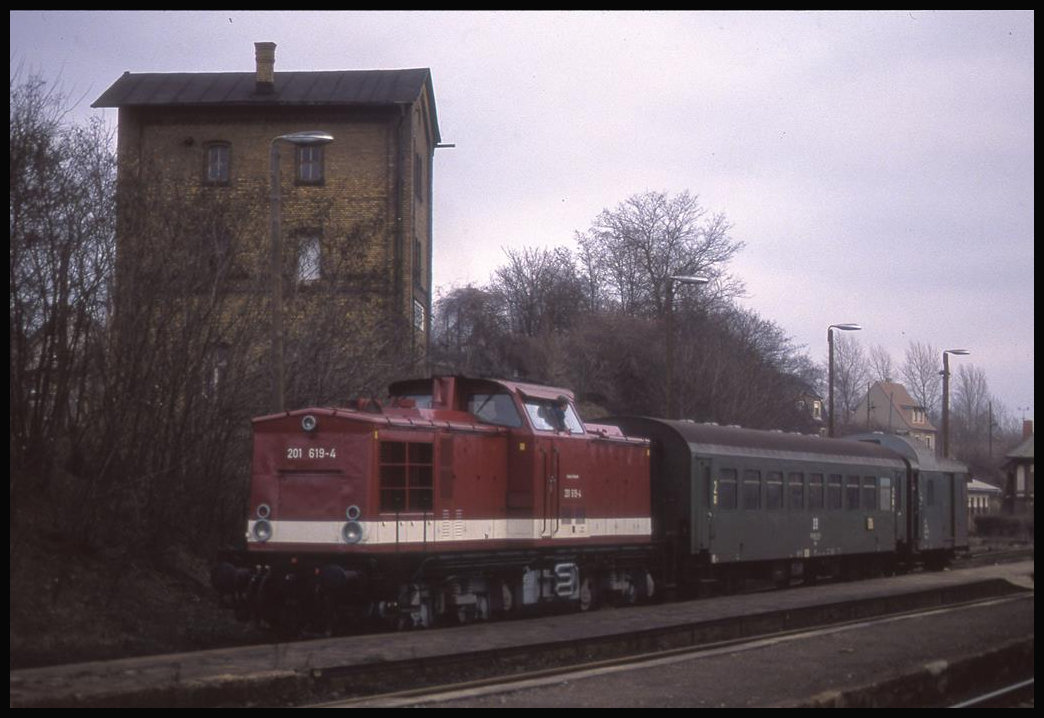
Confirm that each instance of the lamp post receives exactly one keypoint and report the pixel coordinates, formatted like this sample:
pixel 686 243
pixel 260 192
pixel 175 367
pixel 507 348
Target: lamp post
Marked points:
pixel 670 333
pixel 830 368
pixel 946 398
pixel 275 197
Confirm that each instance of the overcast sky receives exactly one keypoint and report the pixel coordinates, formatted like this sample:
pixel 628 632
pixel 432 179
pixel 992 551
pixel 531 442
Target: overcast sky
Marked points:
pixel 877 165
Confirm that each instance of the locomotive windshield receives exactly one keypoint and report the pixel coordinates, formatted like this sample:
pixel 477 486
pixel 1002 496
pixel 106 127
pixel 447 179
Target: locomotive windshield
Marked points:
pixel 494 408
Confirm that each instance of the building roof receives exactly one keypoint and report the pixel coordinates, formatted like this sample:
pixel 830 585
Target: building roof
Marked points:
pixel 1024 450
pixel 328 88
pixel 898 407
pixel 981 487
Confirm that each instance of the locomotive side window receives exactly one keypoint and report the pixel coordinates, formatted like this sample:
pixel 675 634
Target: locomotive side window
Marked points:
pixel 727 492
pixel 497 408
pixel 774 490
pixel 796 490
pixel 406 476
pixel 548 415
pixel 751 489
pixel 833 498
pixel 815 491
pixel 869 493
pixel 852 493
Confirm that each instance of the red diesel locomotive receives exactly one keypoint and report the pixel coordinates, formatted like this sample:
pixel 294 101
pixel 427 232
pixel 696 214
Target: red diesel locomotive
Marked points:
pixel 466 498
pixel 461 498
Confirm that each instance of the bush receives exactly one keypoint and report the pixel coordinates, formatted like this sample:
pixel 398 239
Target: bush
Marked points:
pixel 1005 526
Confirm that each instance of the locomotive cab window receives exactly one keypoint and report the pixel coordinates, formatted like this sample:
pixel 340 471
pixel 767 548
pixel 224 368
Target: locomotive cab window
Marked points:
pixel 494 408
pixel 549 415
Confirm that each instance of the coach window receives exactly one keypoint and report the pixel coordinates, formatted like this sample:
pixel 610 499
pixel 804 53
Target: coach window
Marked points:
pixel 885 494
pixel 833 497
pixel 727 481
pixel 852 493
pixel 751 489
pixel 869 493
pixel 815 491
pixel 796 490
pixel 929 493
pixel 774 490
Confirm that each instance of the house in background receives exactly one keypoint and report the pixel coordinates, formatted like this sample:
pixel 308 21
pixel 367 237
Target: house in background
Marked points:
pixel 1018 468
pixel 888 407
pixel 356 213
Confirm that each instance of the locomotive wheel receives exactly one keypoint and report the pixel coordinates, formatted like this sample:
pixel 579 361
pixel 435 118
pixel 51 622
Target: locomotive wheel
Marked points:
pixel 587 595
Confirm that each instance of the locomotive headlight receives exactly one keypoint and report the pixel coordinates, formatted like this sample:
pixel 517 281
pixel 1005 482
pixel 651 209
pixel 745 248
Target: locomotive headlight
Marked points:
pixel 352 532
pixel 263 511
pixel 353 512
pixel 262 530
pixel 309 422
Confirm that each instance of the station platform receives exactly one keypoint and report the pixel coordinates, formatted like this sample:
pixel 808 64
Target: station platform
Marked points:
pixel 274 674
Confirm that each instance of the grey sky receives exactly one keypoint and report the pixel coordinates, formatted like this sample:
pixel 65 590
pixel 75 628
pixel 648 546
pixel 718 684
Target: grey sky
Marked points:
pixel 878 165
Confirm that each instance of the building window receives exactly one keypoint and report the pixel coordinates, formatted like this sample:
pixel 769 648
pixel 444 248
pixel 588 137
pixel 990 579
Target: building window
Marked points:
pixel 418 315
pixel 217 170
pixel 310 164
pixel 309 260
pixel 418 179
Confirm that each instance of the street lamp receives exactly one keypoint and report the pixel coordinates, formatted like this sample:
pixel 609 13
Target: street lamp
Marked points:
pixel 830 368
pixel 682 279
pixel 946 398
pixel 275 196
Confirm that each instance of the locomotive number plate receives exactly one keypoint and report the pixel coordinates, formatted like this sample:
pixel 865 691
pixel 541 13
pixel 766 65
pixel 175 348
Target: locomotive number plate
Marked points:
pixel 313 452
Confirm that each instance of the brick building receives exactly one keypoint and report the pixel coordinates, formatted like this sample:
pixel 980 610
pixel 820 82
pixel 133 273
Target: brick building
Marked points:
pixel 355 219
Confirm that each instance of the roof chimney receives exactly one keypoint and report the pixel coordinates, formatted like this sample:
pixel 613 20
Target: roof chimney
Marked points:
pixel 264 54
pixel 1027 428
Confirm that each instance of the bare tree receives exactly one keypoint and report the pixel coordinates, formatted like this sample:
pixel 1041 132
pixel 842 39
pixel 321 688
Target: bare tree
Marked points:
pixel 920 372
pixel 880 365
pixel 851 373
pixel 632 251
pixel 61 256
pixel 539 289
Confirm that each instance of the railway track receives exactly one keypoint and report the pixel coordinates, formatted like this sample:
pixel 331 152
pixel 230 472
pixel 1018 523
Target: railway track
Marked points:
pixel 310 671
pixel 530 687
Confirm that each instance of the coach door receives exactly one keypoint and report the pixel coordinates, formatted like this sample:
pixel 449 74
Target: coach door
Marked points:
pixel 702 506
pixel 913 510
